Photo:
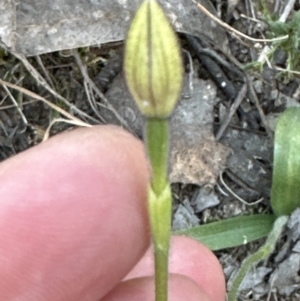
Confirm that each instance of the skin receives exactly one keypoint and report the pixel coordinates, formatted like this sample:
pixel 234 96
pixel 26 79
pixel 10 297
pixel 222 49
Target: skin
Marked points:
pixel 74 226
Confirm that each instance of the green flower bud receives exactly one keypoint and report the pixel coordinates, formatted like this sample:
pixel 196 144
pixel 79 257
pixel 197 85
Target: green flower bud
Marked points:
pixel 153 63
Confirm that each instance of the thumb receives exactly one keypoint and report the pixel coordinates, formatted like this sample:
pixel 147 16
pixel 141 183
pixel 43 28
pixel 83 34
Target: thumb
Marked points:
pixel 181 288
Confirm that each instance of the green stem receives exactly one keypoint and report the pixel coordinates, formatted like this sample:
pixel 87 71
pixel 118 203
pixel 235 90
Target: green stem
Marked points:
pixel 161 275
pixel 263 252
pixel 159 202
pixel 157 144
pixel 160 221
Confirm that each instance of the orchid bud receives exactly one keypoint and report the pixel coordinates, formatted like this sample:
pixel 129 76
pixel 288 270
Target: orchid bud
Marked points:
pixel 152 62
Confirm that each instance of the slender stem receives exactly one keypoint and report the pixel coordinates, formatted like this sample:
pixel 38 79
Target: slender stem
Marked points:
pixel 249 261
pixel 263 252
pixel 157 144
pixel 159 202
pixel 161 275
pixel 160 221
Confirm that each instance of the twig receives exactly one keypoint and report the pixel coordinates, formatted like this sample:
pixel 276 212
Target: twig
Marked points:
pixel 287 10
pixel 250 18
pixel 36 75
pixel 13 106
pixel 232 30
pixel 74 122
pixel 50 104
pixel 46 74
pixel 89 97
pixel 86 77
pixel 251 9
pixel 232 111
pixel 286 70
pixel 17 82
pixel 2 126
pixel 236 196
pixel 254 98
pixel 16 104
pixel 221 189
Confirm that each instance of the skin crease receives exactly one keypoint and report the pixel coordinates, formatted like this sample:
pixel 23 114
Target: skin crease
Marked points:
pixel 73 224
pixel 184 259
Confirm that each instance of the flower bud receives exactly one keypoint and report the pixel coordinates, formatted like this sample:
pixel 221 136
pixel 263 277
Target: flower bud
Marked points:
pixel 152 62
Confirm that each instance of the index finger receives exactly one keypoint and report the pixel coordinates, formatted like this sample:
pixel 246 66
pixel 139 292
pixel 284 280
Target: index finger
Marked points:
pixel 73 216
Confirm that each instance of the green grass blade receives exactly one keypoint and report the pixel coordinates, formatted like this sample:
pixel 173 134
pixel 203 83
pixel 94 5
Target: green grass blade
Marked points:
pixel 285 194
pixel 231 232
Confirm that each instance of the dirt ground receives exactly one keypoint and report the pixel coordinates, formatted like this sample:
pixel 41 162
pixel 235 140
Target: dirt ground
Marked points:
pixel 243 109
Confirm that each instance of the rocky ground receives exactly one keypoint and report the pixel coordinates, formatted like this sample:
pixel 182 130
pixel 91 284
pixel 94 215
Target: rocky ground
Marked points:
pixel 224 125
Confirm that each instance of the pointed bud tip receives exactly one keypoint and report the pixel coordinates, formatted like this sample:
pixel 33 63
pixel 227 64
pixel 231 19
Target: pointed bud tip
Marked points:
pixel 152 63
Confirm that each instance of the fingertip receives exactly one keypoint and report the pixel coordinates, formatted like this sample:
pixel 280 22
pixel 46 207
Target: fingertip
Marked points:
pixel 196 261
pixel 180 288
pixel 191 259
pixel 68 206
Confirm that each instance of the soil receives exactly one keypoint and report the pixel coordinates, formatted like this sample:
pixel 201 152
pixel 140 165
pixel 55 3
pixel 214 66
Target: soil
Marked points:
pixel 248 169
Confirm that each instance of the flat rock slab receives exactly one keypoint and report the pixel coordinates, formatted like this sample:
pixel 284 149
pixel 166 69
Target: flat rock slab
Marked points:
pixel 251 158
pixel 33 27
pixel 196 157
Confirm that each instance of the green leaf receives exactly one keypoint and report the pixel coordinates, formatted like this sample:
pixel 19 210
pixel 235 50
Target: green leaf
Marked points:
pixel 278 28
pixel 285 194
pixel 295 22
pixel 231 232
pixel 152 63
pixel 263 252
